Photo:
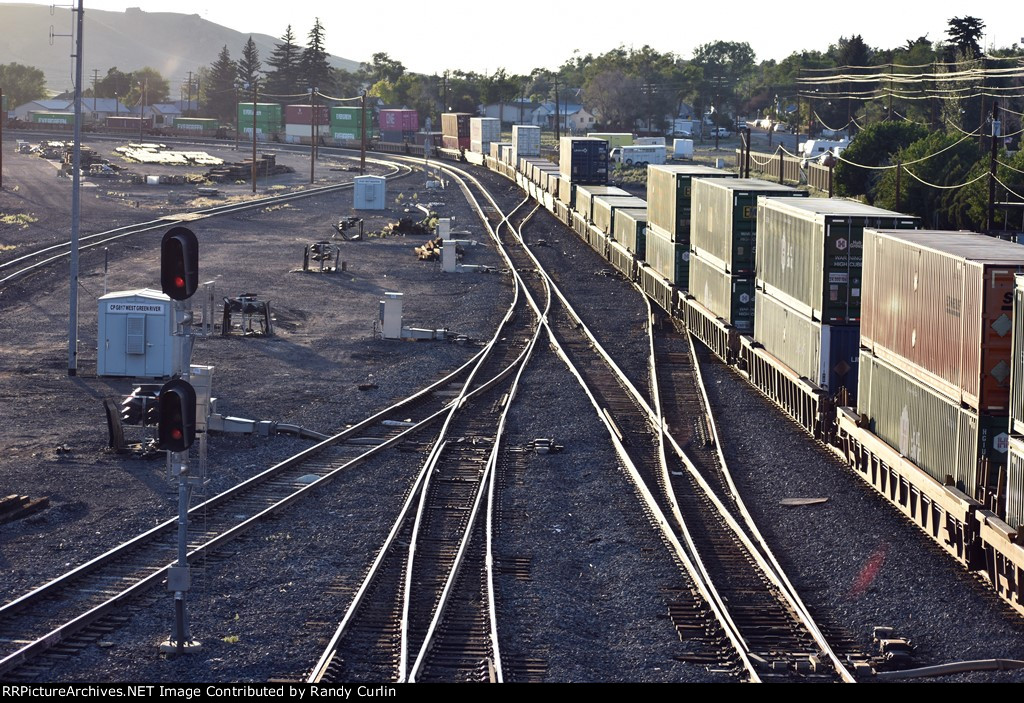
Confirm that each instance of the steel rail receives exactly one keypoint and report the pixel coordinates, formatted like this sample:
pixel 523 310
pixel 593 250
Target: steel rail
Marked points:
pixel 100 238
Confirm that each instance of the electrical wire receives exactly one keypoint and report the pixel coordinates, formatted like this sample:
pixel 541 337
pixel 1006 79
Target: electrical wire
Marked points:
pixel 909 163
pixel 933 185
pixel 822 122
pixel 1015 170
pixel 1008 189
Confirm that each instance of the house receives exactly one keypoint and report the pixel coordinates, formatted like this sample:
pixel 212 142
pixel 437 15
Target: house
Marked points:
pixel 514 112
pixel 163 114
pixel 571 116
pixel 93 109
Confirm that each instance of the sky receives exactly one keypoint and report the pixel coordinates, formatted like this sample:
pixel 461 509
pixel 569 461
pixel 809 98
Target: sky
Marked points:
pixel 519 36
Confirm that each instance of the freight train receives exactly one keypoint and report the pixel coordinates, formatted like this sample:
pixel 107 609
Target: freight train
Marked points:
pixel 924 415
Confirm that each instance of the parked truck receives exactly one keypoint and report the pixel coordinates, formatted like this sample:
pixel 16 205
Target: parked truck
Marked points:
pixel 639 154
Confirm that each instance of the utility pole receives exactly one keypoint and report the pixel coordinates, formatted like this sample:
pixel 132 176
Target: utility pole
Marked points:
pixel 76 196
pixel 312 133
pixel 899 167
pixel 238 119
pixel 362 147
pixel 1 143
pixel 991 222
pixel 95 79
pixel 558 115
pixel 189 104
pixel 254 137
pixel 144 98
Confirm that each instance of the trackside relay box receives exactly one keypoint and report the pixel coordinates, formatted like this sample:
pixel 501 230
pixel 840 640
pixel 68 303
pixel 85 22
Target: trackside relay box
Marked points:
pixel 136 335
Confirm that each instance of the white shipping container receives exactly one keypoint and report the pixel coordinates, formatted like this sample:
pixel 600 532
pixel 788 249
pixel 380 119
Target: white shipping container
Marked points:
pixel 649 141
pixel 484 129
pixel 304 130
pixel 682 149
pixel 525 140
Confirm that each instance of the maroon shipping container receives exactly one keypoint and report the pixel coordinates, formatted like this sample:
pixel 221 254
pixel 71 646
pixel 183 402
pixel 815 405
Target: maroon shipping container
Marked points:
pixel 939 306
pixel 399 120
pixel 129 122
pixel 456 124
pixel 303 114
pixel 450 142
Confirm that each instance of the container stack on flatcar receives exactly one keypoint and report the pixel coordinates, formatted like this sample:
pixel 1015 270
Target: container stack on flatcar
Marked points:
pixel 302 122
pixel 936 351
pixel 807 307
pixel 669 195
pixel 455 130
pixel 1015 463
pixel 398 125
pixel 346 124
pixel 197 126
pixel 483 131
pixel 267 119
pixel 723 238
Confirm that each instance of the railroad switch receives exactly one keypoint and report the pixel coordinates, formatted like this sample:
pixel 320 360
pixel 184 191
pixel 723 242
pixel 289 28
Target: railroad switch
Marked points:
pixel 322 254
pixel 543 445
pixel 252 310
pixel 893 652
pixel 349 223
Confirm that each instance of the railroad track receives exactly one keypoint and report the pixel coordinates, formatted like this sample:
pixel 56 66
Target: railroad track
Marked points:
pixel 21 266
pixel 425 610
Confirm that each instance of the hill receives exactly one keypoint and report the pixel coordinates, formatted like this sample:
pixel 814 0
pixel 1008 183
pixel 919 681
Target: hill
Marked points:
pixel 172 43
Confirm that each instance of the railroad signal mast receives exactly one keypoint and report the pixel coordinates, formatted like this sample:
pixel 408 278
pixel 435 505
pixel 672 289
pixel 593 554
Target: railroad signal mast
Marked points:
pixel 179 278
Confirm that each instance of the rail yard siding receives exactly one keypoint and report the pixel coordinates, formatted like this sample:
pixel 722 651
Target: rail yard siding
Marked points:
pixel 809 253
pixel 939 306
pixel 723 219
pixel 826 355
pixel 669 195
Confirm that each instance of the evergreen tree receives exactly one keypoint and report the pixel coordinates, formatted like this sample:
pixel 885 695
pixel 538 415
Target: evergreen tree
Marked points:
pixel 316 71
pixel 219 91
pixel 249 67
pixel 964 33
pixel 286 74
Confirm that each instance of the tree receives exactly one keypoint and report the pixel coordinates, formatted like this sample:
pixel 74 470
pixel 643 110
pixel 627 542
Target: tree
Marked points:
pixel 725 64
pixel 220 91
pixel 21 84
pixel 964 33
pixel 616 97
pixel 114 84
pixel 383 68
pixel 249 67
pixel 285 62
pixel 316 71
pixel 147 86
pixel 874 146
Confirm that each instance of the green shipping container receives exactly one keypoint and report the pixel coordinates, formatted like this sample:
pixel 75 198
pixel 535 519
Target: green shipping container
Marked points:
pixel 668 196
pixel 668 258
pixel 346 117
pixel 65 119
pixel 810 252
pixel 938 435
pixel 723 219
pixel 631 230
pixel 266 113
pixel 196 123
pixel 727 296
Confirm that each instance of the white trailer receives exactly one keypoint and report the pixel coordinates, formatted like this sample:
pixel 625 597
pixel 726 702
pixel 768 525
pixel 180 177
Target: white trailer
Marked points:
pixel 641 155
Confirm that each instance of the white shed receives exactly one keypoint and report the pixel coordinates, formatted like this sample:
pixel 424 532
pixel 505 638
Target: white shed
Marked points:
pixel 136 335
pixel 370 193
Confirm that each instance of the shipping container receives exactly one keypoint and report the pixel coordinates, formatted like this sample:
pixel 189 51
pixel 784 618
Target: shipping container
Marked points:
pixel 267 113
pixel 1015 484
pixel 809 253
pixel 669 193
pixel 62 119
pixel 346 118
pixel 631 230
pixel 395 120
pixel 567 192
pixel 826 355
pixel 939 306
pixel 508 155
pixel 730 297
pixel 496 148
pixel 583 160
pixel 305 131
pixel 614 139
pixel 303 114
pixel 128 124
pixel 450 142
pixel 585 198
pixel 483 131
pixel 397 137
pixel 525 141
pixel 668 258
pixel 346 135
pixel 604 207
pixel 937 434
pixel 455 124
pixel 723 219
pixel 196 124
pixel 1017 360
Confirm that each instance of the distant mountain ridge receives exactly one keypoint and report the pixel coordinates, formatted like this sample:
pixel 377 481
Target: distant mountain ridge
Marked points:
pixel 170 42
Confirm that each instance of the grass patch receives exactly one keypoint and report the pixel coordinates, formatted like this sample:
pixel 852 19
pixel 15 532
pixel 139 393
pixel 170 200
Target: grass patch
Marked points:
pixel 22 220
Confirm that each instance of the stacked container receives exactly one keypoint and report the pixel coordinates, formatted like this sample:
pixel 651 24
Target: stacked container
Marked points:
pixel 723 236
pixel 455 128
pixel 60 119
pixel 395 120
pixel 604 208
pixel 937 325
pixel 496 149
pixel 483 131
pixel 268 118
pixel 669 196
pixel 631 230
pixel 196 124
pixel 585 195
pixel 346 124
pixel 583 160
pixel 525 142
pixel 808 259
pixel 299 119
